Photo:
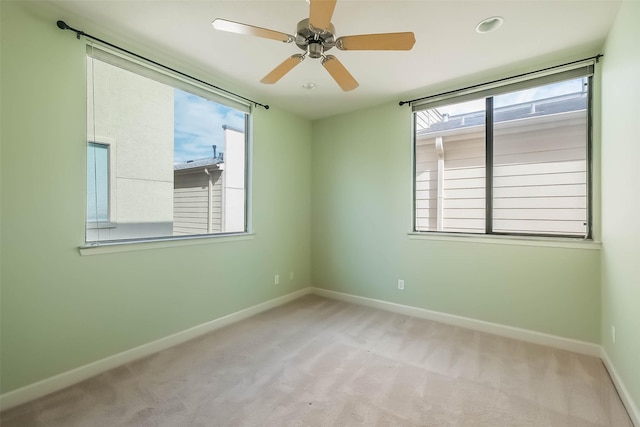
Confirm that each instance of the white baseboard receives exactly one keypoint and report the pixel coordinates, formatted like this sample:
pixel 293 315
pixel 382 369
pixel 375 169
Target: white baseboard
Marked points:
pixel 66 379
pixel 569 344
pixel 632 409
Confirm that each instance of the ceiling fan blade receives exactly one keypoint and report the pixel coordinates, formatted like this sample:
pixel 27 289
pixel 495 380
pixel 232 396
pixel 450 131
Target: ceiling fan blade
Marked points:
pixel 320 13
pixel 282 69
pixel 250 30
pixel 339 73
pixel 385 41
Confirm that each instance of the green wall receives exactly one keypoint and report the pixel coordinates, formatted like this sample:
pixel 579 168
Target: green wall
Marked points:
pixel 621 196
pixel 61 310
pixel 361 184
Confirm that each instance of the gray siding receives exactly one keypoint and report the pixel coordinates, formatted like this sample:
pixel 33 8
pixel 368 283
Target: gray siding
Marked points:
pixel 195 211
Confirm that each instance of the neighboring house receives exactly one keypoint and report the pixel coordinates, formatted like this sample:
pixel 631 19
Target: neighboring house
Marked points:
pixel 130 193
pixel 234 180
pixel 209 194
pixel 540 168
pixel 197 197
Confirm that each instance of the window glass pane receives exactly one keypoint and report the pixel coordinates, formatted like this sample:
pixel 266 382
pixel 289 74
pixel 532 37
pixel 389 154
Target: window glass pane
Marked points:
pixel 97 182
pixel 209 166
pixel 181 158
pixel 540 160
pixel 450 168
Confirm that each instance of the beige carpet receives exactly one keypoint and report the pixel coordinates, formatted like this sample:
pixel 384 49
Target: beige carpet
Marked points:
pixel 318 362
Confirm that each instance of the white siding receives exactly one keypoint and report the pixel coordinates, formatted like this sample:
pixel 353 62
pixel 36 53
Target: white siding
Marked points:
pixel 540 178
pixel 540 175
pixel 426 187
pixel 234 181
pixel 464 193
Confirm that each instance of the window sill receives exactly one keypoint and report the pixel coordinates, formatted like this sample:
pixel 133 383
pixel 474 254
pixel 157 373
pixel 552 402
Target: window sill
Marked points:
pixel 100 225
pixel 509 240
pixel 139 245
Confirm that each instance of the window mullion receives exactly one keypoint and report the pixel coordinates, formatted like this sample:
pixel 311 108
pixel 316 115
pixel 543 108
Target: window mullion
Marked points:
pixel 489 165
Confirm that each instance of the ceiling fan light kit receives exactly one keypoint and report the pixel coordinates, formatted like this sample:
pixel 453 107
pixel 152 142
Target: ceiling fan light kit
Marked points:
pixel 490 24
pixel 316 35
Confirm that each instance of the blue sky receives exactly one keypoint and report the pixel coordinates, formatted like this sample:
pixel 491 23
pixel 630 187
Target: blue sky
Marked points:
pixel 533 94
pixel 198 125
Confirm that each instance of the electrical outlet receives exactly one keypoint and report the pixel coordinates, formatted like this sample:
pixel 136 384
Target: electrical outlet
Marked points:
pixel 401 284
pixel 276 280
pixel 291 276
pixel 613 334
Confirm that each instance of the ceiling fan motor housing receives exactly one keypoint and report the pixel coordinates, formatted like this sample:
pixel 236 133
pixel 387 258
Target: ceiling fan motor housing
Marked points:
pixel 313 41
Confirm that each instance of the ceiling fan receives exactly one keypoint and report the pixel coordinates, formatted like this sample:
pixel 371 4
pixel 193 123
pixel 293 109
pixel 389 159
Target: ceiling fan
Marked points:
pixel 315 36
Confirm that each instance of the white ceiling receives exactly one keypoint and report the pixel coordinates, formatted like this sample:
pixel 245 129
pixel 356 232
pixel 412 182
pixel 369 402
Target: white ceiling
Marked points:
pixel 447 46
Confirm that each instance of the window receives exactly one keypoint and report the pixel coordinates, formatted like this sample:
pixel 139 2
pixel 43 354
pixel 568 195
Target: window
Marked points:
pixel 97 183
pixel 509 160
pixel 180 164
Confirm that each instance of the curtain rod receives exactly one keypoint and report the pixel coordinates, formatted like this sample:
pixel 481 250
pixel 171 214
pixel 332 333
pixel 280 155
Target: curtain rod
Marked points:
pixel 596 58
pixel 63 26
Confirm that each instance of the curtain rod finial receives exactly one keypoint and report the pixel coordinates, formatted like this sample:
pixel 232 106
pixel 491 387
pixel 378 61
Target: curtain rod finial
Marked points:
pixel 62 25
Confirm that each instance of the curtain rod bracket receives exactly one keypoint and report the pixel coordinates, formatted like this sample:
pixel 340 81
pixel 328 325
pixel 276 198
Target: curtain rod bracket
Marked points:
pixel 63 26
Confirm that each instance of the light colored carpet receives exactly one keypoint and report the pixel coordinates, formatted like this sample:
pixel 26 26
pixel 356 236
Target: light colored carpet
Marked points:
pixel 319 362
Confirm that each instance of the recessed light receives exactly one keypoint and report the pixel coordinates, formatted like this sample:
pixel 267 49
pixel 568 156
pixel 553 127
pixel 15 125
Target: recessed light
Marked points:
pixel 490 24
pixel 309 86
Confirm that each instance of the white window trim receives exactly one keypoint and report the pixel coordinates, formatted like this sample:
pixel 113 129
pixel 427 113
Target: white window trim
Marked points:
pixel 160 243
pixel 496 239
